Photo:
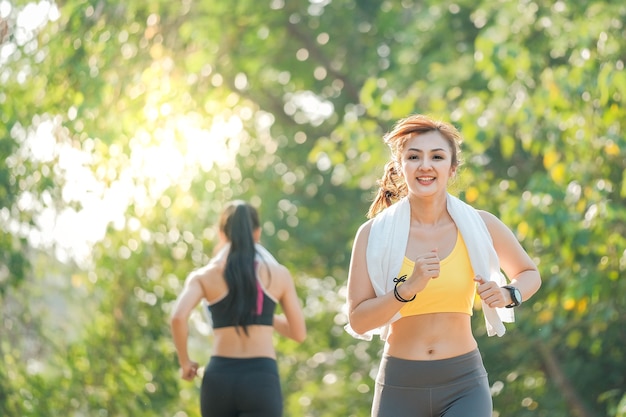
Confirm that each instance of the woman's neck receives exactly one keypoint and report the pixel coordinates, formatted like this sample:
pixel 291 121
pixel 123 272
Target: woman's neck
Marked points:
pixel 429 211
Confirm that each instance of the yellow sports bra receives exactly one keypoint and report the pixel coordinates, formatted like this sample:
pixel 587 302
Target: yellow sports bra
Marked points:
pixel 453 291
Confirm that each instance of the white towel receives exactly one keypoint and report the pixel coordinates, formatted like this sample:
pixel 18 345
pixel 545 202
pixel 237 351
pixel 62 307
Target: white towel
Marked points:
pixel 265 255
pixel 386 247
pixel 261 253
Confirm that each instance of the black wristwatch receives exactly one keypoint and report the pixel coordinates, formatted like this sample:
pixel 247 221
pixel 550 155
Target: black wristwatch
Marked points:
pixel 516 296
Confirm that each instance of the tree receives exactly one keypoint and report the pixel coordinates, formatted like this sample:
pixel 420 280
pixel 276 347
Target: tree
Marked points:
pixel 171 109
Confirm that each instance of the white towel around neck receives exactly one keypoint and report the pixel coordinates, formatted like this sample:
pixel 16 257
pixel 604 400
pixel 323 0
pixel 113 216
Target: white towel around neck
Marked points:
pixel 386 247
pixel 261 253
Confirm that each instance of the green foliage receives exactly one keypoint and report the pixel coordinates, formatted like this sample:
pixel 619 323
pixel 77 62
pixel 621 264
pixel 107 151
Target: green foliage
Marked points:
pixel 181 107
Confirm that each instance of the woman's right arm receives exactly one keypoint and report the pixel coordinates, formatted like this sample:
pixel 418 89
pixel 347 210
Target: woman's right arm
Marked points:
pixel 187 300
pixel 291 323
pixel 366 311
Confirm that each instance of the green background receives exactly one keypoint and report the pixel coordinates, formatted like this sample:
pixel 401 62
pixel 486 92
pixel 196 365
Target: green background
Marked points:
pixel 153 114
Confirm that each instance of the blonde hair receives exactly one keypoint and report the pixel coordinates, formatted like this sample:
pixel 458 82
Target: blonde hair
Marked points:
pixel 392 186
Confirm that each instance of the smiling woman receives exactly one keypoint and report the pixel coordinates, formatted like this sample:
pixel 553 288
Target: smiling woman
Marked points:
pixel 416 268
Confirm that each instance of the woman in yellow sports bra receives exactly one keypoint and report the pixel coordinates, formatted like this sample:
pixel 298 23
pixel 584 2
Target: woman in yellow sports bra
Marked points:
pixel 416 267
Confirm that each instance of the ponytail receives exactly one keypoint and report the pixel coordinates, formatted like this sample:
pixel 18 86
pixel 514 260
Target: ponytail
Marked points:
pixel 391 188
pixel 238 223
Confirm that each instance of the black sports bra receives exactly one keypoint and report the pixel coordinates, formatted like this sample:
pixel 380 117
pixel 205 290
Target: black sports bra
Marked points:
pixel 263 316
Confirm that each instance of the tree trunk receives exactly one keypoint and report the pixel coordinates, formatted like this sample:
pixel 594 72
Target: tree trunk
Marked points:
pixel 556 374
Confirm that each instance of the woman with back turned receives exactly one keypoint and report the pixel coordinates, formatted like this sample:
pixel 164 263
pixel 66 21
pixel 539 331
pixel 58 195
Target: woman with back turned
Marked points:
pixel 415 269
pixel 242 285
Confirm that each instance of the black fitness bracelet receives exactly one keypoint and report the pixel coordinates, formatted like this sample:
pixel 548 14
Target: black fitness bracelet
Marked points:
pixel 397 294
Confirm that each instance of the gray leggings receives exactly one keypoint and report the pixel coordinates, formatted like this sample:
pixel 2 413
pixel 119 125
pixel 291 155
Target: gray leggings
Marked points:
pixel 454 387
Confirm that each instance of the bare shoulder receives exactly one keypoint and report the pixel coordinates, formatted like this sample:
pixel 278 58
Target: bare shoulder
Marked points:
pixel 498 230
pixel 363 231
pixel 209 277
pixel 491 220
pixel 362 236
pixel 280 271
pixel 277 279
pixel 487 217
pixel 208 271
pixel 365 227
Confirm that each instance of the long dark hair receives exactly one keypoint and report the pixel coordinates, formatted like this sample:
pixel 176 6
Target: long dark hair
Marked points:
pixel 238 222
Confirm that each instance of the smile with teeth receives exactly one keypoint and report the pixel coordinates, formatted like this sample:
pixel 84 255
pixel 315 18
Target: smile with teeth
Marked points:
pixel 426 180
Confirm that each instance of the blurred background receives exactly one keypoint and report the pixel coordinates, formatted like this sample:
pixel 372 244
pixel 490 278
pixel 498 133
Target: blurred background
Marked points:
pixel 126 125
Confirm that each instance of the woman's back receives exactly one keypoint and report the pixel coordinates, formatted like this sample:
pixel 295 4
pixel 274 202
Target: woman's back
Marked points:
pixel 243 283
pixel 230 340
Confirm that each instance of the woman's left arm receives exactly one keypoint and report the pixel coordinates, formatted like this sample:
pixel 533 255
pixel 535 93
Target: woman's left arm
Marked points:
pixel 514 261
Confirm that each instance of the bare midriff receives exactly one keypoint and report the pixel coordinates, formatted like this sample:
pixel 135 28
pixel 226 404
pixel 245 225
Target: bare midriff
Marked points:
pixel 258 343
pixel 431 336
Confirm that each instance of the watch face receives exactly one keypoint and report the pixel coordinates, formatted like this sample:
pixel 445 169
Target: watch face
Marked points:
pixel 516 296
